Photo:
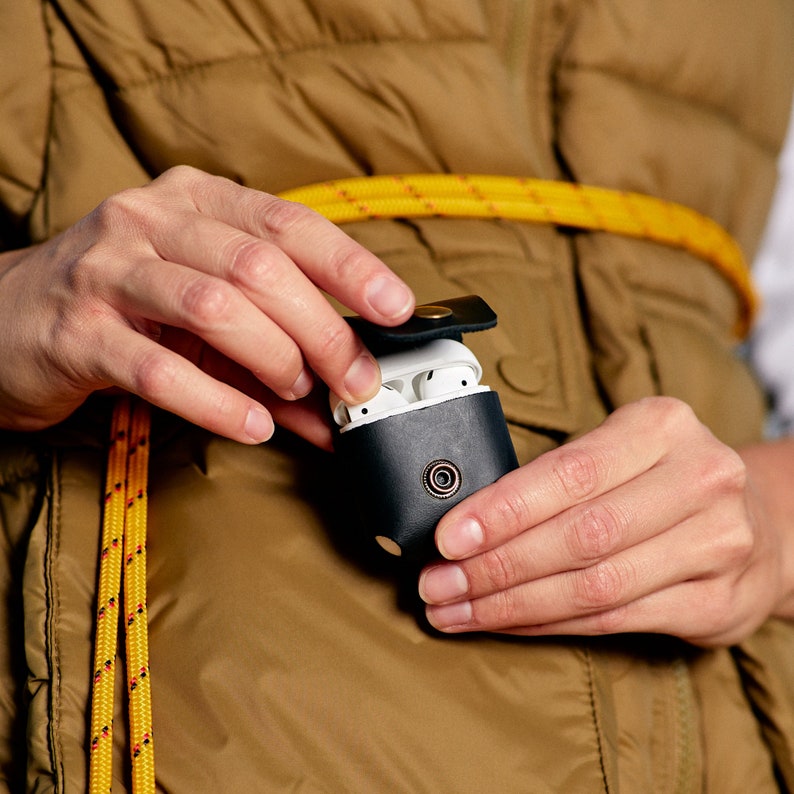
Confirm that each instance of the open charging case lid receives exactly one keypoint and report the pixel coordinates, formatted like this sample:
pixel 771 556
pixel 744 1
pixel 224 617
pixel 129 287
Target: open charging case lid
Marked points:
pixel 445 319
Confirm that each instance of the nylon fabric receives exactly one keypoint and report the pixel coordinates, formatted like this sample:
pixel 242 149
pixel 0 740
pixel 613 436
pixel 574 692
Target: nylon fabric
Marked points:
pixel 338 684
pixel 21 480
pixel 385 701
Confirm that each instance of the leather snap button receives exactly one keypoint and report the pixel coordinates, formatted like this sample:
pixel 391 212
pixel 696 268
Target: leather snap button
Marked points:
pixel 441 479
pixel 524 374
pixel 432 312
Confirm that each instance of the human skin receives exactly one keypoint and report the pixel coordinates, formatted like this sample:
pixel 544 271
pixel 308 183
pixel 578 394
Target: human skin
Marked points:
pixel 646 524
pixel 199 295
pixel 203 297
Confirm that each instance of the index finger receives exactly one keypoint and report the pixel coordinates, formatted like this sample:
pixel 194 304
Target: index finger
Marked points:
pixel 629 442
pixel 329 257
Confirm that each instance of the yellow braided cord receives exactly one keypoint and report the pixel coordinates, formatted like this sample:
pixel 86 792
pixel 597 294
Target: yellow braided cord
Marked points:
pixel 538 201
pixel 123 541
pixel 138 678
pixel 110 564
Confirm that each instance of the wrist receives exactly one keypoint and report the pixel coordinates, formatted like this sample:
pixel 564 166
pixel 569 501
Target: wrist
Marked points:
pixel 771 504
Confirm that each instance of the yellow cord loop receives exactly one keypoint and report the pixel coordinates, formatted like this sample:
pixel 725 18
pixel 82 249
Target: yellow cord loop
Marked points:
pixel 123 549
pixel 344 201
pixel 537 201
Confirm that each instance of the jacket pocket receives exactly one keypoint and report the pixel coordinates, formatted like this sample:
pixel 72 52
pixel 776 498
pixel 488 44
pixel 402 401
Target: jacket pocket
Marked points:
pixel 661 322
pixel 536 358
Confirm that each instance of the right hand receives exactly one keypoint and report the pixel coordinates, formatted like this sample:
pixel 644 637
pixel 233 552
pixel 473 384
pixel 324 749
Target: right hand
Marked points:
pixel 199 295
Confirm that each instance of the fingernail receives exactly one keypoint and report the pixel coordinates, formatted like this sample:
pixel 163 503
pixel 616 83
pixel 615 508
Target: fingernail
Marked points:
pixel 389 297
pixel 363 377
pixel 450 615
pixel 460 538
pixel 303 384
pixel 443 583
pixel 258 425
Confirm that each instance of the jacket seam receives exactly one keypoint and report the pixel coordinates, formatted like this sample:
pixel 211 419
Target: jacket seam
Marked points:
pixel 594 714
pixel 52 619
pixel 178 73
pixel 53 95
pixel 685 728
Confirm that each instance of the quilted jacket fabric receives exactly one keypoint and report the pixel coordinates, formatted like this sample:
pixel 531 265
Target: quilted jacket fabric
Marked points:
pixel 285 656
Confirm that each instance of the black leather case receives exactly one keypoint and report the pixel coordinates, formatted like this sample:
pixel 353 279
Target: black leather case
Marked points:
pixel 402 469
pixel 407 470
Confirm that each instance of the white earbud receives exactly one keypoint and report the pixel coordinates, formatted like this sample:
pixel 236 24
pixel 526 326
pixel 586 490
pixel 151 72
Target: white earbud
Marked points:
pixel 445 380
pixel 436 369
pixel 386 399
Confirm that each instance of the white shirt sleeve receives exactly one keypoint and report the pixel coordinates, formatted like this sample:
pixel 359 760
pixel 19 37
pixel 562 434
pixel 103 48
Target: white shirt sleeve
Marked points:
pixel 771 346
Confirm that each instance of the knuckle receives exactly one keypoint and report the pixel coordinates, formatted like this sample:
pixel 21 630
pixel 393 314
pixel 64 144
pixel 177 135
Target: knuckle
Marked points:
pixel 190 186
pixel 722 471
pixel 511 508
pixel 285 363
pixel 718 603
pixel 281 216
pixel 331 339
pixel 599 587
pixel 180 175
pixel 122 211
pixel 595 532
pixel 502 610
pixel 735 546
pixel 347 261
pixel 343 260
pixel 252 265
pixel 207 302
pixel 577 473
pixel 743 543
pixel 82 274
pixel 70 332
pixel 155 375
pixel 611 621
pixel 499 569
pixel 669 413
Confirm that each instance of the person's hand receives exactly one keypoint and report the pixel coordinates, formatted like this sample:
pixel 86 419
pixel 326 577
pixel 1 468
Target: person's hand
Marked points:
pixel 201 296
pixel 646 524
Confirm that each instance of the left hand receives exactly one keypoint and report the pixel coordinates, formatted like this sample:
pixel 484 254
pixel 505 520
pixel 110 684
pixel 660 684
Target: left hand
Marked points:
pixel 646 524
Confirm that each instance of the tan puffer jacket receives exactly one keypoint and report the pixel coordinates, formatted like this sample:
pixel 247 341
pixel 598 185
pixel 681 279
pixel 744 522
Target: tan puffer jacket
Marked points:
pixel 285 658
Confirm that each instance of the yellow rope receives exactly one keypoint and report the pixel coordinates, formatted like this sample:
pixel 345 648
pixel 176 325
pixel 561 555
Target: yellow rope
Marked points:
pixel 537 201
pixel 138 678
pixel 123 538
pixel 101 764
pixel 343 201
